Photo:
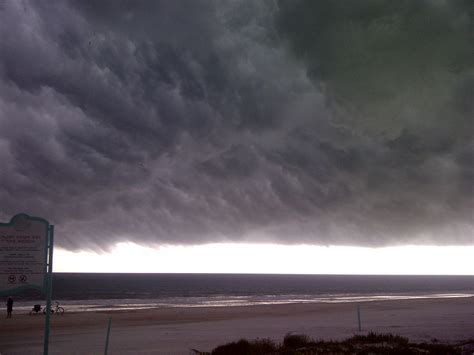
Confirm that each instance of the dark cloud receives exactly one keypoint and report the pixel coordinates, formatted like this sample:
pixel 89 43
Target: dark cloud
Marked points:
pixel 189 122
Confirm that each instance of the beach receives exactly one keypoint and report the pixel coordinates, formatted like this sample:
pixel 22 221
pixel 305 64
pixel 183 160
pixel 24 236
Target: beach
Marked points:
pixel 177 330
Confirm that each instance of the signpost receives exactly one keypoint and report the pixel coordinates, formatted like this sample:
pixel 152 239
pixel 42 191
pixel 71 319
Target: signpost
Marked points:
pixel 26 259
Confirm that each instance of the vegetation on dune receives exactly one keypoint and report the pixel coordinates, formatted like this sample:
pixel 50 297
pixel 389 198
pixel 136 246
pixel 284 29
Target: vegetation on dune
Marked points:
pixel 372 343
pixel 243 346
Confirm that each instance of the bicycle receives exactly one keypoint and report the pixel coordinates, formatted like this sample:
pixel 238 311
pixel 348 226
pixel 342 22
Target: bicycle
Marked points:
pixel 56 310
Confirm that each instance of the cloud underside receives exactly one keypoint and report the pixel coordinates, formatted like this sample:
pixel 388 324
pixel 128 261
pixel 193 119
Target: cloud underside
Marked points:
pixel 186 122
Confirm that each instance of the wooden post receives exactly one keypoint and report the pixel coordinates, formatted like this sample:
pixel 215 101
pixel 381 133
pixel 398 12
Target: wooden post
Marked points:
pixel 107 337
pixel 358 318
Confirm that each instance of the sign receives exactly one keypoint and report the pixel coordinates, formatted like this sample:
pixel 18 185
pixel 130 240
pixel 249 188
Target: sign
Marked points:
pixel 23 254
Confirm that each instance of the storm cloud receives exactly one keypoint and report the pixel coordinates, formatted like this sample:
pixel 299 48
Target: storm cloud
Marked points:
pixel 188 122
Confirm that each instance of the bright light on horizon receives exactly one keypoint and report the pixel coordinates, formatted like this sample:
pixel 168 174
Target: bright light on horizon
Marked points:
pixel 271 259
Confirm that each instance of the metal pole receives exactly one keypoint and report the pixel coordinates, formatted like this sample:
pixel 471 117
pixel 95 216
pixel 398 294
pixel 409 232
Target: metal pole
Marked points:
pixel 107 337
pixel 49 283
pixel 358 318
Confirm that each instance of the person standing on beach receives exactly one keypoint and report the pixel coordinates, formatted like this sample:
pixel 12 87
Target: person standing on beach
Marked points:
pixel 9 307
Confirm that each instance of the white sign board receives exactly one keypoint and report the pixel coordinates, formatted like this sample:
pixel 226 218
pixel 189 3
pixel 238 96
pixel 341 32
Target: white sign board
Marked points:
pixel 23 253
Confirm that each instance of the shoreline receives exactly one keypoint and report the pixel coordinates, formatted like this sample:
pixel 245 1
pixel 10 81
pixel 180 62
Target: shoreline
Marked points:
pixel 176 330
pixel 116 305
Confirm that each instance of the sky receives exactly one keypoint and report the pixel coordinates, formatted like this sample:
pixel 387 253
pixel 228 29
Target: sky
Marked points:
pixel 237 126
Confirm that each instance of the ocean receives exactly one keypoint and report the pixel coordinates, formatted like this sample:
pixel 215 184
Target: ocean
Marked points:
pixel 83 292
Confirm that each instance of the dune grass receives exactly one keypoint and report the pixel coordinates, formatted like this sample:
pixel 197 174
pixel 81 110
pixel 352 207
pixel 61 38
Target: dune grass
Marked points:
pixel 372 343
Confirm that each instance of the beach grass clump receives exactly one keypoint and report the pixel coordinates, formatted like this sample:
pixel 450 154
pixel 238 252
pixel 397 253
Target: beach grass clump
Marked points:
pixel 243 346
pixel 296 341
pixel 369 344
pixel 373 337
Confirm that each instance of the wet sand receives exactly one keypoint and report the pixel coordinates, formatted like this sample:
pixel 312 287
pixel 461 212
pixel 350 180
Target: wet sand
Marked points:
pixel 177 330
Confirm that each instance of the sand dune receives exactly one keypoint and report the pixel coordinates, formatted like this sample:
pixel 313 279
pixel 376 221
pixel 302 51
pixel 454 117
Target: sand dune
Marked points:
pixel 176 330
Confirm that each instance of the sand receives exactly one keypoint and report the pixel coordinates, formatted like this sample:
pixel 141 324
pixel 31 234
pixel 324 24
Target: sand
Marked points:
pixel 177 330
